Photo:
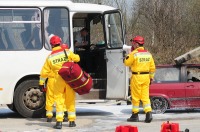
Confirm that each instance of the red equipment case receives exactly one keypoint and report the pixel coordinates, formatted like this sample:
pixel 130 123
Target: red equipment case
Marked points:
pixel 127 128
pixel 169 127
pixel 79 80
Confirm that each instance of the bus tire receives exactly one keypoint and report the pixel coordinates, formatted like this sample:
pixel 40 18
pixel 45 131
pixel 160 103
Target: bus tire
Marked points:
pixel 12 107
pixel 29 101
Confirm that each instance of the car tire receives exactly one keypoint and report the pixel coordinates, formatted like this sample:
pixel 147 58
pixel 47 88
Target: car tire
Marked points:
pixel 29 101
pixel 159 105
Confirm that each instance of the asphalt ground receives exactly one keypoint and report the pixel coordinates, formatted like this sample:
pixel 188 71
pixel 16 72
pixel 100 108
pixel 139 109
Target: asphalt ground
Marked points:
pixel 100 118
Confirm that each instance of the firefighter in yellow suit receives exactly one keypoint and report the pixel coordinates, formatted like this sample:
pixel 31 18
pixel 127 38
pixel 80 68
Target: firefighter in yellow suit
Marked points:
pixel 143 68
pixel 44 74
pixel 53 63
pixel 49 89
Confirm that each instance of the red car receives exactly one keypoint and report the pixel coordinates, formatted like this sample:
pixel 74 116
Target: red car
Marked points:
pixel 175 87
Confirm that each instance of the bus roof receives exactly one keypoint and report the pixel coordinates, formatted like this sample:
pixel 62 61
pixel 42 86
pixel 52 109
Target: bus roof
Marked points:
pixel 84 7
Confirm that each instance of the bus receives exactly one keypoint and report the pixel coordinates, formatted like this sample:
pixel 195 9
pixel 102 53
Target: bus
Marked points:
pixel 25 27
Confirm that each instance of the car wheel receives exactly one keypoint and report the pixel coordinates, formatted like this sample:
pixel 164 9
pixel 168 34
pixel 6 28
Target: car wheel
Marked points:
pixel 159 105
pixel 29 101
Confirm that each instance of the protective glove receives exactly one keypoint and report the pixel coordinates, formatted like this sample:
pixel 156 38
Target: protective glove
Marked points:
pixel 42 88
pixel 151 81
pixel 132 48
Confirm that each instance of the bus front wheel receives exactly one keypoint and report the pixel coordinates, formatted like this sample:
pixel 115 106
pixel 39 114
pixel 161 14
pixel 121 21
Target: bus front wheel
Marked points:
pixel 29 100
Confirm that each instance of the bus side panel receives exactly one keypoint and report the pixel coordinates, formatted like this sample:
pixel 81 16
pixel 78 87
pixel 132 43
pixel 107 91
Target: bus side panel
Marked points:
pixel 23 64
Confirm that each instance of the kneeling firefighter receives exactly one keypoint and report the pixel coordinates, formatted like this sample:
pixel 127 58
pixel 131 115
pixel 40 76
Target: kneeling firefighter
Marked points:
pixel 142 66
pixel 53 63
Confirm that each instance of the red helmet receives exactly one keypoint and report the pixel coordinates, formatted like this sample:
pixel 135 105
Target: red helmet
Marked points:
pixel 55 40
pixel 138 39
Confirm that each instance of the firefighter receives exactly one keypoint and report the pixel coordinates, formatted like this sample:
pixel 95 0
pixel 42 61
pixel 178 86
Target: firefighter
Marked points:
pixel 53 63
pixel 49 89
pixel 142 66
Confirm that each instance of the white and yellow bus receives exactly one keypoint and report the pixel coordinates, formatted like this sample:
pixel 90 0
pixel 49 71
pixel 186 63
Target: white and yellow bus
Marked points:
pixel 25 27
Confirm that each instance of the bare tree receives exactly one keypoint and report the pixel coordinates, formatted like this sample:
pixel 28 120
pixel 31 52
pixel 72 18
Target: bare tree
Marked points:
pixel 127 13
pixel 166 26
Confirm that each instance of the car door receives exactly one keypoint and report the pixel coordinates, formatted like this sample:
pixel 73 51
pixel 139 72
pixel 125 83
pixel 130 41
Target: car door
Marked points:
pixel 192 86
pixel 117 80
pixel 172 91
pixel 168 84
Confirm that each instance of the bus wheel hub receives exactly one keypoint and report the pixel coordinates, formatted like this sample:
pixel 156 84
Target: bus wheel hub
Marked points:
pixel 34 98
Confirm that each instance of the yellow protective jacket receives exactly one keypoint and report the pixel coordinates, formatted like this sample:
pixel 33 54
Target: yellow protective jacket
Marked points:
pixel 140 60
pixel 54 62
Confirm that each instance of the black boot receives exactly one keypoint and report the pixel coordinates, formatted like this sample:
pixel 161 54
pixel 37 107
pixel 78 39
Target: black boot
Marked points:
pixel 149 117
pixel 133 118
pixel 65 117
pixel 72 124
pixel 58 125
pixel 49 119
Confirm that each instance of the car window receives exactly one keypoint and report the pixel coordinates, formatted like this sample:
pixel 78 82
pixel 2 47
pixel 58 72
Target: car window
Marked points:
pixel 167 75
pixel 193 74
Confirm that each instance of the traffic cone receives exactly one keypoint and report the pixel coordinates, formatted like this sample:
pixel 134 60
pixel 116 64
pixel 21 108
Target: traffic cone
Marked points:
pixel 126 128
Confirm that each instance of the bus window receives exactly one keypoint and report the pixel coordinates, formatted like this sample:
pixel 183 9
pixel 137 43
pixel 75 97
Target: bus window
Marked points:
pixel 56 21
pixel 114 27
pixel 97 34
pixel 20 29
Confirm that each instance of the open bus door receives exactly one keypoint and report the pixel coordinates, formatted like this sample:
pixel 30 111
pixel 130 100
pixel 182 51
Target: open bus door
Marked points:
pixel 117 77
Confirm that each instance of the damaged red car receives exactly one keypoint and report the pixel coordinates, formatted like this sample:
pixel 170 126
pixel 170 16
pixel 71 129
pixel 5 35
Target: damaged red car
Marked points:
pixel 175 87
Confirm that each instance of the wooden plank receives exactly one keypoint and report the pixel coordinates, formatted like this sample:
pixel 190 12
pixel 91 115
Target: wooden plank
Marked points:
pixel 188 56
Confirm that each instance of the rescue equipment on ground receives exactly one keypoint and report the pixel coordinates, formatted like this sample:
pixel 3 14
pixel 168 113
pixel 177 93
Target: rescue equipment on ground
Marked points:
pixel 169 127
pixel 126 128
pixel 79 80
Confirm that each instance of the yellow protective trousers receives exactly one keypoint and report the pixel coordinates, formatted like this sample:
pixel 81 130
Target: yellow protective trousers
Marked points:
pixel 140 92
pixel 63 89
pixel 50 98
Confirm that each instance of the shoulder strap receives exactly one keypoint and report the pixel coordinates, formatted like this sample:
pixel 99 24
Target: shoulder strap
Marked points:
pixel 65 53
